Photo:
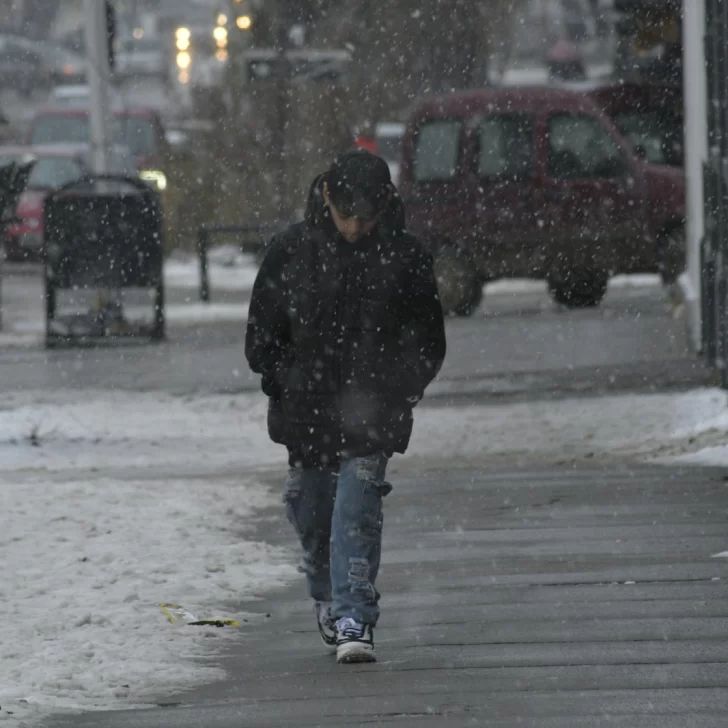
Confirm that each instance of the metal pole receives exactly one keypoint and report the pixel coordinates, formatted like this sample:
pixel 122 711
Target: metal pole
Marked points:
pixel 204 273
pixel 696 153
pixel 99 77
pixel 282 106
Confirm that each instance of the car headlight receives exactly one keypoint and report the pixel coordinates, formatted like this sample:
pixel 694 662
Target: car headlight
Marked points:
pixel 155 176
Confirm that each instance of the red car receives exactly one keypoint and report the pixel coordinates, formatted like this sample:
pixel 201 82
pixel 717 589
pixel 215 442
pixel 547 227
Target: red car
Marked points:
pixel 139 129
pixel 538 183
pixel 54 167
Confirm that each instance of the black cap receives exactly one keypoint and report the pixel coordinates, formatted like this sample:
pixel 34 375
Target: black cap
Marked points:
pixel 359 184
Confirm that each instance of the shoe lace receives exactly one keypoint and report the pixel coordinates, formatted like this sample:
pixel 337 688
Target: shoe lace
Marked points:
pixel 349 627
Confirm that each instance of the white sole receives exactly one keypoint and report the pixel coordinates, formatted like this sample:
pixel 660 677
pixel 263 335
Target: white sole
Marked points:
pixel 354 652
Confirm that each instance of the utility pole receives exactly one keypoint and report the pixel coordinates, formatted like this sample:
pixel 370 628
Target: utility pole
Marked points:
pixel 97 56
pixel 282 82
pixel 696 154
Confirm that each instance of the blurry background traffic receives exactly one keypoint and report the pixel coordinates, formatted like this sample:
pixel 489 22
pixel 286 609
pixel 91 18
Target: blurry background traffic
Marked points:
pixel 230 107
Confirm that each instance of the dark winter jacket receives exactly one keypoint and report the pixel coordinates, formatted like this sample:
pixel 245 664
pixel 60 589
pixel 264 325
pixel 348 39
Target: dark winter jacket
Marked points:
pixel 346 336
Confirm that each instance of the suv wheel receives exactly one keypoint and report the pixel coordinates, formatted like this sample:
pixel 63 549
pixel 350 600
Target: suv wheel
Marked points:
pixel 671 254
pixel 458 282
pixel 579 288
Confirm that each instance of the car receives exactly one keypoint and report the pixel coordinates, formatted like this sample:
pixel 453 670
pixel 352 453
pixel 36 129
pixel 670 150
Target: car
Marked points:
pixel 29 65
pixel 54 167
pixel 535 182
pixel 140 129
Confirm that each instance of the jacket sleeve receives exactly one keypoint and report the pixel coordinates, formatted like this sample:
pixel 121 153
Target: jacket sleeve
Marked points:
pixel 267 340
pixel 427 317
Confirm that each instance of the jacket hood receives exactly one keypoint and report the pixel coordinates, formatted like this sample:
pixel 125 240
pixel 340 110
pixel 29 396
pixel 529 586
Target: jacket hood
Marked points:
pixel 392 221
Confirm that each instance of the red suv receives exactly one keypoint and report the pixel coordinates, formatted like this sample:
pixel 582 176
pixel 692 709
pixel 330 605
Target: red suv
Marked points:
pixel 539 183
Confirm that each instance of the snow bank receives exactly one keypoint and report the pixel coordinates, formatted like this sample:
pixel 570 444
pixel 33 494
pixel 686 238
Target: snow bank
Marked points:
pixel 108 506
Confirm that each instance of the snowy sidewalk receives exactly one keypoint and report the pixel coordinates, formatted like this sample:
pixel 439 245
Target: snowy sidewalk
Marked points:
pixel 540 597
pixel 112 503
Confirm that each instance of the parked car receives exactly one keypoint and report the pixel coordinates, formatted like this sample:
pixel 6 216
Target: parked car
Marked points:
pixel 54 167
pixel 535 182
pixel 28 65
pixel 139 129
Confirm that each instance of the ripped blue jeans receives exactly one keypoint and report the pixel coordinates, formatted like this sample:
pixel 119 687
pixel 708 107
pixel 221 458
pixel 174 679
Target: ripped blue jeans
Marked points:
pixel 338 517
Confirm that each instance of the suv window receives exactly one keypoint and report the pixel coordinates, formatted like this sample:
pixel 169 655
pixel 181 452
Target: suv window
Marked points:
pixel 660 135
pixel 437 149
pixel 505 147
pixel 579 147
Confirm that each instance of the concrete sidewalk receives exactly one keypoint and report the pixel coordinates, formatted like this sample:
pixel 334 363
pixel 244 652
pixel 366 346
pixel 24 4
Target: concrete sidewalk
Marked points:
pixel 532 597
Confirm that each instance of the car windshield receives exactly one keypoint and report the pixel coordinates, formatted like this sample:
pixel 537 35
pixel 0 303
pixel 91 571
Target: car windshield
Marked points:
pixel 660 136
pixel 50 172
pixel 129 131
pixel 56 171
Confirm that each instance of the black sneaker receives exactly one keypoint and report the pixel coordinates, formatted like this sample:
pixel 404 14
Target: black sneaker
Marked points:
pixel 326 624
pixel 354 641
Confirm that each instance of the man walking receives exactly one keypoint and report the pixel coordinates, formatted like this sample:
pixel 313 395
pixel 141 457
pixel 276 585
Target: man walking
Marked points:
pixel 346 329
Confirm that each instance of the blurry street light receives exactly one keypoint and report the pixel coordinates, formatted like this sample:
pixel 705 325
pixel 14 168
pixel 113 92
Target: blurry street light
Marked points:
pixel 220 34
pixel 222 19
pixel 184 60
pixel 183 44
pixel 244 22
pixel 184 77
pixel 221 55
pixel 183 34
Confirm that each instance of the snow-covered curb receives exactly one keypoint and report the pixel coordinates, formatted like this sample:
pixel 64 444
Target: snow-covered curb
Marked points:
pixel 117 501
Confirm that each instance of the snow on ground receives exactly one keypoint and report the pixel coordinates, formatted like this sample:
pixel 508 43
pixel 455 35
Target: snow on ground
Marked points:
pixel 113 503
pixel 515 286
pixel 108 506
pixel 539 76
pixel 228 269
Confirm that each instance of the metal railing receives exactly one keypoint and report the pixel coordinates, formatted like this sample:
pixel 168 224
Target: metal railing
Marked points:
pixel 714 250
pixel 251 238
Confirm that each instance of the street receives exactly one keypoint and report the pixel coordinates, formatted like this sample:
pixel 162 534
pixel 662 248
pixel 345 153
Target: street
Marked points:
pixel 519 344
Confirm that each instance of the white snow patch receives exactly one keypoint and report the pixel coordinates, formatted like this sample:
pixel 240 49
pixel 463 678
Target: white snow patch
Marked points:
pixel 721 555
pixel 197 312
pixel 228 269
pixel 644 425
pixel 539 76
pixel 513 286
pixel 133 430
pixel 108 506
